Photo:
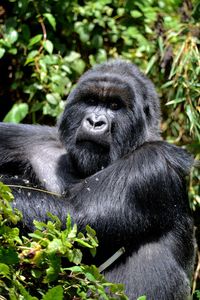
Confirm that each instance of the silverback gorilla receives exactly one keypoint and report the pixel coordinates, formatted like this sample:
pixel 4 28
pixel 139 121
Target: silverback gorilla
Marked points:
pixel 115 173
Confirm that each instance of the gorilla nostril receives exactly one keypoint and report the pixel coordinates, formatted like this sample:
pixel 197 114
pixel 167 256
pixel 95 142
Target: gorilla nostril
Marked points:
pixel 94 124
pixel 90 122
pixel 99 124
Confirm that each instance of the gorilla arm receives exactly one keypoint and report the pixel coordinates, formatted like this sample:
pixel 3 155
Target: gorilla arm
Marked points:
pixel 31 147
pixel 143 193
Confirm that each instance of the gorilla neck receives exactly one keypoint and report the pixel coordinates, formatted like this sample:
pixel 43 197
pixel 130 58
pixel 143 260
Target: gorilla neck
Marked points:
pixel 88 161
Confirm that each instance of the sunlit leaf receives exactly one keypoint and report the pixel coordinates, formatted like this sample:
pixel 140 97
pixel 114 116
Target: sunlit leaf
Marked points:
pixel 54 293
pixel 17 113
pixel 4 270
pixel 2 51
pixel 142 298
pixel 51 19
pixel 136 14
pixel 52 98
pixel 31 57
pixel 175 101
pixel 12 35
pixel 36 39
pixel 48 45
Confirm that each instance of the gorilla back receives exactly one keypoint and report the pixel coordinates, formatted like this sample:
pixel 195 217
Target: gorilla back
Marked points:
pixel 107 159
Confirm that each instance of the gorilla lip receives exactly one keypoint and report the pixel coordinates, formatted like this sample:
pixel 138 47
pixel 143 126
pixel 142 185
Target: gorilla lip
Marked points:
pixel 93 141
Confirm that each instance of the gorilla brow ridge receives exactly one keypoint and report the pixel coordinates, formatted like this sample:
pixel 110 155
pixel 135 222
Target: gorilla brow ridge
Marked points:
pixel 107 89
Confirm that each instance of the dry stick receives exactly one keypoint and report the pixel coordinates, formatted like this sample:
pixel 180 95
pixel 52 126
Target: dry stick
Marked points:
pixel 33 189
pixel 44 32
pixel 40 19
pixel 196 273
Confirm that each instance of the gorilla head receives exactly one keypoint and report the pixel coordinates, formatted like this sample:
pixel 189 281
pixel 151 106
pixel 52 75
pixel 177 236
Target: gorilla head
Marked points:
pixel 113 110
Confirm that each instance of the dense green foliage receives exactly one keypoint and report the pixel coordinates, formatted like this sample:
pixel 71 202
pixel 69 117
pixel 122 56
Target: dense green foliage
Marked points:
pixel 46 45
pixel 47 264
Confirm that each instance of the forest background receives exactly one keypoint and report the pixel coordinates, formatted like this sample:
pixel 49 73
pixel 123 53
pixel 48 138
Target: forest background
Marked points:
pixel 46 45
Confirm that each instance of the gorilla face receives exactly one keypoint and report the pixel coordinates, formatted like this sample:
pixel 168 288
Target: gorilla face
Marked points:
pixel 113 110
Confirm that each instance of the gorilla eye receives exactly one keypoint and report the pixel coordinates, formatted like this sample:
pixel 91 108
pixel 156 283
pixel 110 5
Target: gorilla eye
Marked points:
pixel 91 101
pixel 114 105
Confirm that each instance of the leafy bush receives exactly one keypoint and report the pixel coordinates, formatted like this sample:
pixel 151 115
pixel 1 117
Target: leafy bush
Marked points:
pixel 48 263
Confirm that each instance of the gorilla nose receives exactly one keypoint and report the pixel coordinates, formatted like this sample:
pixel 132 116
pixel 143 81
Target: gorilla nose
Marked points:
pixel 97 124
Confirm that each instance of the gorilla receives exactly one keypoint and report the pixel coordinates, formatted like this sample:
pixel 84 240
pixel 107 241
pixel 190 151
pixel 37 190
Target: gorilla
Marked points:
pixel 107 161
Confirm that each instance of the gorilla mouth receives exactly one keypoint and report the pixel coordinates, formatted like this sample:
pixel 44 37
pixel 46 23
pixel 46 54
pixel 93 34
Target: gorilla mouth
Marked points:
pixel 93 140
pixel 93 146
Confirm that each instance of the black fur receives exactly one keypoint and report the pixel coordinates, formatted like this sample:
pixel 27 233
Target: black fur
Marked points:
pixel 107 158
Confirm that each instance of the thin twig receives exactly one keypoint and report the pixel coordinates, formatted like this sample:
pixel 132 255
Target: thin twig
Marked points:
pixel 196 273
pixel 44 32
pixel 34 189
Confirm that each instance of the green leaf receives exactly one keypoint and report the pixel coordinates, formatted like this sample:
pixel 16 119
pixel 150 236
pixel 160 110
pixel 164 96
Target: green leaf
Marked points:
pixel 17 113
pixel 76 256
pixel 93 251
pixel 36 273
pixel 4 270
pixel 189 113
pixel 151 64
pixel 90 276
pixel 52 99
pixel 12 51
pixel 142 298
pixel 71 57
pixel 31 56
pixel 36 39
pixel 54 293
pixel 78 66
pixel 167 84
pixel 175 62
pixel 175 101
pixel 36 106
pixel 39 225
pixel 75 269
pixel 24 292
pixel 90 231
pixel 55 246
pixel 97 41
pixel 83 243
pixel 36 236
pixel 5 192
pixel 2 51
pixel 48 46
pixel 52 273
pixel 11 36
pixel 136 14
pixel 73 232
pixel 51 19
pixel 83 31
pixel 120 11
pixel 68 224
pixel 132 32
pixel 56 221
